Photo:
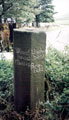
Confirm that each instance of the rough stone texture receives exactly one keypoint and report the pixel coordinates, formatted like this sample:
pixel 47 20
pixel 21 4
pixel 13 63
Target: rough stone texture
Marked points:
pixel 29 68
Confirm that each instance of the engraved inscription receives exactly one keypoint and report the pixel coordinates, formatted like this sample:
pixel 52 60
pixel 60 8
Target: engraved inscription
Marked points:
pixel 23 58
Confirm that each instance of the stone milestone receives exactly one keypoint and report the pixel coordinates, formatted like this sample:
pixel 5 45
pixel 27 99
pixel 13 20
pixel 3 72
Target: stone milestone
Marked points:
pixel 29 68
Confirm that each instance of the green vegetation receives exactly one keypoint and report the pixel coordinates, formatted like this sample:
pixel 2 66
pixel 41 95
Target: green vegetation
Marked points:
pixel 57 82
pixel 6 79
pixel 47 11
pixel 57 78
pixel 27 10
pixel 19 9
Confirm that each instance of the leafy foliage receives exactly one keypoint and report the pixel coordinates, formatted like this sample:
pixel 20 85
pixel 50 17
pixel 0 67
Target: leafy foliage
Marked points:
pixel 57 77
pixel 6 79
pixel 17 8
pixel 27 10
pixel 47 11
pixel 56 106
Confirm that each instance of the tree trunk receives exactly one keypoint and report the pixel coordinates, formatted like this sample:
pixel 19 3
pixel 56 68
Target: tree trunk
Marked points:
pixel 37 20
pixel 0 20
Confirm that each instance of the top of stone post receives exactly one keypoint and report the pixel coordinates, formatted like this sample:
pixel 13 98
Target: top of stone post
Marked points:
pixel 36 30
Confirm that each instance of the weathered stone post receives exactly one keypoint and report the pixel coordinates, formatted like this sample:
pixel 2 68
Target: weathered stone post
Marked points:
pixel 29 68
